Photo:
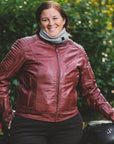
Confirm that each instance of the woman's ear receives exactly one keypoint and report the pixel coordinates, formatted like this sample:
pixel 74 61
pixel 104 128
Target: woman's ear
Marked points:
pixel 64 21
pixel 39 24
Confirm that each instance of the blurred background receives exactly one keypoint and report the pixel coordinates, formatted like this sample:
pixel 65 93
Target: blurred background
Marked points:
pixel 93 28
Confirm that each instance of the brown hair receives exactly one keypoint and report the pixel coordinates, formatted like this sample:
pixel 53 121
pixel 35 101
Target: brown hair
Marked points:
pixel 47 5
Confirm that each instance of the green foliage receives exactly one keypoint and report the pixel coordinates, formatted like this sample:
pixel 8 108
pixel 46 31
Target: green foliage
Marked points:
pixel 90 30
pixel 17 19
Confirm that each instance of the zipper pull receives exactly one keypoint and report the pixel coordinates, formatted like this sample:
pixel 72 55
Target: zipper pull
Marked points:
pixel 56 48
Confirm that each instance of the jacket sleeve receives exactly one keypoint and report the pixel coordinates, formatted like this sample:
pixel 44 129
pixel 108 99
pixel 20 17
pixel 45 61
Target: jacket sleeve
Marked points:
pixel 9 66
pixel 90 92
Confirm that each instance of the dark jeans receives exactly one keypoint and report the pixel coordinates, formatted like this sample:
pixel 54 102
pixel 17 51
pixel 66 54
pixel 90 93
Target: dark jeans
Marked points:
pixel 3 139
pixel 28 131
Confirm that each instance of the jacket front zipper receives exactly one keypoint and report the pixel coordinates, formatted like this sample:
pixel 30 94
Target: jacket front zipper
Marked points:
pixel 58 82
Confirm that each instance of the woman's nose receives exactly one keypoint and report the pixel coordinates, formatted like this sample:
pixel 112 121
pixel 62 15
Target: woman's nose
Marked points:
pixel 51 22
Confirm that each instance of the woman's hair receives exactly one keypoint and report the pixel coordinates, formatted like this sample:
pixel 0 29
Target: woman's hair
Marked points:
pixel 47 5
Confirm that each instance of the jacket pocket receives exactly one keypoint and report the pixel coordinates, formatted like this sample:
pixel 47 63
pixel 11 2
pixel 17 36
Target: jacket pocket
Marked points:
pixel 24 96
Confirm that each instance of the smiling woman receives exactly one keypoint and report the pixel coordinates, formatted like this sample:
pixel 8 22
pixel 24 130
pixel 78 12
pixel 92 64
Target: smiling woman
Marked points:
pixel 49 67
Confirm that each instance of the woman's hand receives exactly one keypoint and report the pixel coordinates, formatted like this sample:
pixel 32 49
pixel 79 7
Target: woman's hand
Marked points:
pixel 112 116
pixel 8 120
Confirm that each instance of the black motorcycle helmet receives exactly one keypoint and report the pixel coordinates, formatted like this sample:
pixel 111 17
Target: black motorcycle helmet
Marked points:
pixel 98 132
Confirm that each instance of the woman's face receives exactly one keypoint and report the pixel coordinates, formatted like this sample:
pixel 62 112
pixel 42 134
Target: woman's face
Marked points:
pixel 51 21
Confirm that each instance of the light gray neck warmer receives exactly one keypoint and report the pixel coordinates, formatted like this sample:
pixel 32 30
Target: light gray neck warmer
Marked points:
pixel 62 37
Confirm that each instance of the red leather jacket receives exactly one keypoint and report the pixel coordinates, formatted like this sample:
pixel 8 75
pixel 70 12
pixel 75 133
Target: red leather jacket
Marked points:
pixel 48 75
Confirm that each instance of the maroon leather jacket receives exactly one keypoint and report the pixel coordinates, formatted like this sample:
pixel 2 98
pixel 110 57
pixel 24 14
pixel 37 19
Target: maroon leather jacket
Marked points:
pixel 48 75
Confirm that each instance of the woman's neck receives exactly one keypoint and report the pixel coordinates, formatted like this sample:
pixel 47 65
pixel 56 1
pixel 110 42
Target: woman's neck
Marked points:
pixel 62 37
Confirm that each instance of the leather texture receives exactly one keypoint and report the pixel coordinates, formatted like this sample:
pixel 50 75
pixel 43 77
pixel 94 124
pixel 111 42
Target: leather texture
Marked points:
pixel 48 77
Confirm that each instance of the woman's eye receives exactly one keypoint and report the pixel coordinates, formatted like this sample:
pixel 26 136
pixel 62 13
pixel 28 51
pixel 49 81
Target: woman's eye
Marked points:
pixel 55 18
pixel 44 20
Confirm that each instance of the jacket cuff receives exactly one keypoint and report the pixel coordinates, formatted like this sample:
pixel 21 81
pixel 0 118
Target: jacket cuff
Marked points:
pixel 112 116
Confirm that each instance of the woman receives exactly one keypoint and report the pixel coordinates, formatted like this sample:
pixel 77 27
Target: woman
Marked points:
pixel 48 66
